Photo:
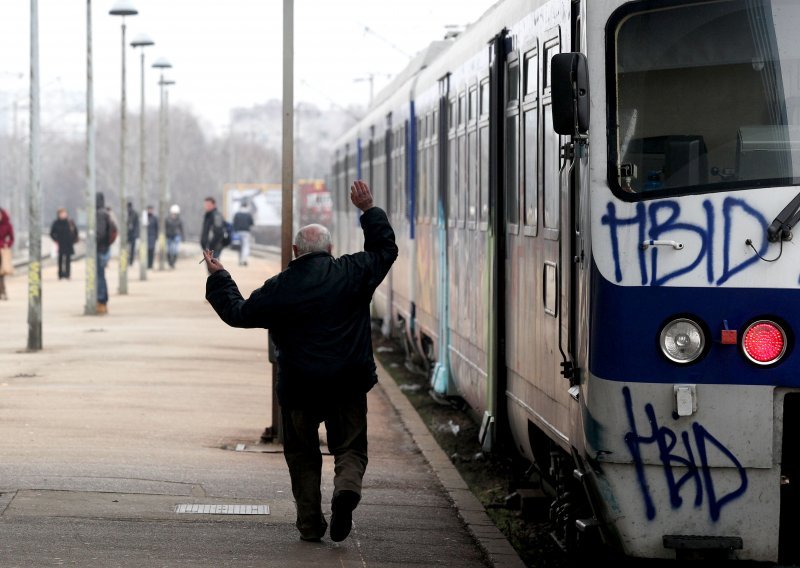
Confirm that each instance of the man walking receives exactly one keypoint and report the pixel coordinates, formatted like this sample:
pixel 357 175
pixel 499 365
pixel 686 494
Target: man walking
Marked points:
pixel 133 232
pixel 152 235
pixel 213 228
pixel 106 231
pixel 318 313
pixel 242 222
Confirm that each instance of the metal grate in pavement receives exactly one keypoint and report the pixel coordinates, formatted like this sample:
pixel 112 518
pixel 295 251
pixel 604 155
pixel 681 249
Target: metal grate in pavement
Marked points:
pixel 223 509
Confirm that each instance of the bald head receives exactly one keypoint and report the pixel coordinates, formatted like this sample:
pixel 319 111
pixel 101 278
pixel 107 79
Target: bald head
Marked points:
pixel 312 238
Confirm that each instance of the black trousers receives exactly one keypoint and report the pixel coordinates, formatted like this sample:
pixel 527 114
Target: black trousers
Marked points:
pixel 346 427
pixel 64 261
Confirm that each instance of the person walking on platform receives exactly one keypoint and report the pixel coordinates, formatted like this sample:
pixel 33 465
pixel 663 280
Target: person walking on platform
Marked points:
pixel 242 222
pixel 65 234
pixel 6 242
pixel 152 235
pixel 318 313
pixel 133 232
pixel 213 231
pixel 173 228
pixel 106 233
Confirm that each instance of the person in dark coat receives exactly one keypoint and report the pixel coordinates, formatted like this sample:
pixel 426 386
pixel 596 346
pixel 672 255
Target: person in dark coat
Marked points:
pixel 152 235
pixel 65 234
pixel 106 230
pixel 133 232
pixel 318 314
pixel 213 228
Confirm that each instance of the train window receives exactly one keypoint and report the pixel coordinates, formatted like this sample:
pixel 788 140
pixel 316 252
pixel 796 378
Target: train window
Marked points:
pixel 433 184
pixel 461 190
pixel 462 111
pixel 435 123
pixel 531 73
pixel 550 165
pixel 530 151
pixel 473 100
pixel 512 92
pixel 483 213
pixel 672 133
pixel 452 181
pixel 472 182
pixel 512 172
pixel 452 116
pixel 549 52
pixel 485 97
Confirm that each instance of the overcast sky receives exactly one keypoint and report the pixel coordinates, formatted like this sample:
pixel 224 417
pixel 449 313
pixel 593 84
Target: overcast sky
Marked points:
pixel 225 53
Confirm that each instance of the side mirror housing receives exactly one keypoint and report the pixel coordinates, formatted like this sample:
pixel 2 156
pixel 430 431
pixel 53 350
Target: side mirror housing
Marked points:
pixel 570 90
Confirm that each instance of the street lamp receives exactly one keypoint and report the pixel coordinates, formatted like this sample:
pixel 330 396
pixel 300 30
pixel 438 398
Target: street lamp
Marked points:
pixel 142 40
pixel 123 8
pixel 163 143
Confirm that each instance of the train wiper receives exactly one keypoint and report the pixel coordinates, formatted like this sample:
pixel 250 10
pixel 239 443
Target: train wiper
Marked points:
pixel 781 227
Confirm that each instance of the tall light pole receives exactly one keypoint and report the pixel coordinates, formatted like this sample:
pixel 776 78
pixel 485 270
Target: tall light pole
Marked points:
pixel 35 197
pixel 142 41
pixel 163 173
pixel 91 173
pixel 123 8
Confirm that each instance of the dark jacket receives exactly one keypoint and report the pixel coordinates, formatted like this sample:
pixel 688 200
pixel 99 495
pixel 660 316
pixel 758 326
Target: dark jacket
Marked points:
pixel 64 232
pixel 211 234
pixel 133 225
pixel 173 227
pixel 152 230
pixel 242 221
pixel 106 228
pixel 318 313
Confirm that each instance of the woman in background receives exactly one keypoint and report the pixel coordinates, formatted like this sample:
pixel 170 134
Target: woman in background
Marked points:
pixel 6 242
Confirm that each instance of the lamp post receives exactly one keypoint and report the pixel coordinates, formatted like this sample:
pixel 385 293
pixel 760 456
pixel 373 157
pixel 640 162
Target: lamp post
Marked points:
pixel 163 144
pixel 142 41
pixel 91 174
pixel 123 8
pixel 35 197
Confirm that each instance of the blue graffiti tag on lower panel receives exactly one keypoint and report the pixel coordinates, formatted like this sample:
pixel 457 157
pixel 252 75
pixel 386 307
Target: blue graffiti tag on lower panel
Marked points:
pixel 693 461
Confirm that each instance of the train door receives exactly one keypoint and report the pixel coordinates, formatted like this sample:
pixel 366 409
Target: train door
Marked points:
pixel 531 226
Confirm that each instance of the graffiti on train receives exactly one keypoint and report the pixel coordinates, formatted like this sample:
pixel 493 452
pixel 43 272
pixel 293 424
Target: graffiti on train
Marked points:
pixel 685 464
pixel 662 220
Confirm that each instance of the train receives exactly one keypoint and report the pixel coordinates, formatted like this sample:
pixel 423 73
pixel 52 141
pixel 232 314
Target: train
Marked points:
pixel 594 204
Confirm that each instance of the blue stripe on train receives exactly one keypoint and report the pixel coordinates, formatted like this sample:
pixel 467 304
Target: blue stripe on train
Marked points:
pixel 626 322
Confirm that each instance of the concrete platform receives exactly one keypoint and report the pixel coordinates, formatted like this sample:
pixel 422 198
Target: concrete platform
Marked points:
pixel 121 418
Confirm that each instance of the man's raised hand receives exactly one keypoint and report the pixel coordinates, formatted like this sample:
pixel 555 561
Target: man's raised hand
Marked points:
pixel 361 196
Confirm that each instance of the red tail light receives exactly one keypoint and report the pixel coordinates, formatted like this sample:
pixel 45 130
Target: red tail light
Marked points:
pixel 764 342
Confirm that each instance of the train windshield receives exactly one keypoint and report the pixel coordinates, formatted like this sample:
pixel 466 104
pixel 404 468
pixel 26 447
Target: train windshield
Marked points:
pixel 704 96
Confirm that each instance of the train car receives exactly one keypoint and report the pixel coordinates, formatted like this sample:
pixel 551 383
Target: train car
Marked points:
pixel 594 204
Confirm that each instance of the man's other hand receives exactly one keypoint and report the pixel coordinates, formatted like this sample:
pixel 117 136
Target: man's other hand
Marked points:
pixel 361 196
pixel 213 264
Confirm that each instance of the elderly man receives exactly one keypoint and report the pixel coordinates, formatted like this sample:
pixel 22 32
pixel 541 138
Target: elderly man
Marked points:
pixel 317 310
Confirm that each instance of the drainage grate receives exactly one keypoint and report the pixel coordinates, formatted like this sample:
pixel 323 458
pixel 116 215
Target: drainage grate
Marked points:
pixel 223 509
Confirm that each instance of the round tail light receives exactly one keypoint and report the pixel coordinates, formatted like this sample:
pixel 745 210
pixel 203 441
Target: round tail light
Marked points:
pixel 682 340
pixel 764 342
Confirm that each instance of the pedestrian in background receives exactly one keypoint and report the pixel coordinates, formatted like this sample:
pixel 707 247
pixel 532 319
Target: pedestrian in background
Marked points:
pixel 106 229
pixel 6 242
pixel 318 314
pixel 173 227
pixel 133 232
pixel 242 222
pixel 65 234
pixel 152 235
pixel 213 230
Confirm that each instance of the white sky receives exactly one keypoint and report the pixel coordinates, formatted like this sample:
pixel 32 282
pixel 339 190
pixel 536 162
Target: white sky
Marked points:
pixel 225 53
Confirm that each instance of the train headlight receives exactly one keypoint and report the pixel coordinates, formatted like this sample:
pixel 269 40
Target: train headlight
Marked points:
pixel 682 340
pixel 764 342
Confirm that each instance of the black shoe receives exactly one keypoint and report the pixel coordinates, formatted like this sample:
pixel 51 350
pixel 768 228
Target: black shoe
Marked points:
pixel 342 514
pixel 308 538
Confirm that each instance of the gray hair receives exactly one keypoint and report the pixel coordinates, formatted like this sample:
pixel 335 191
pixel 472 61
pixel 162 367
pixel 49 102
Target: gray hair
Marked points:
pixel 312 238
